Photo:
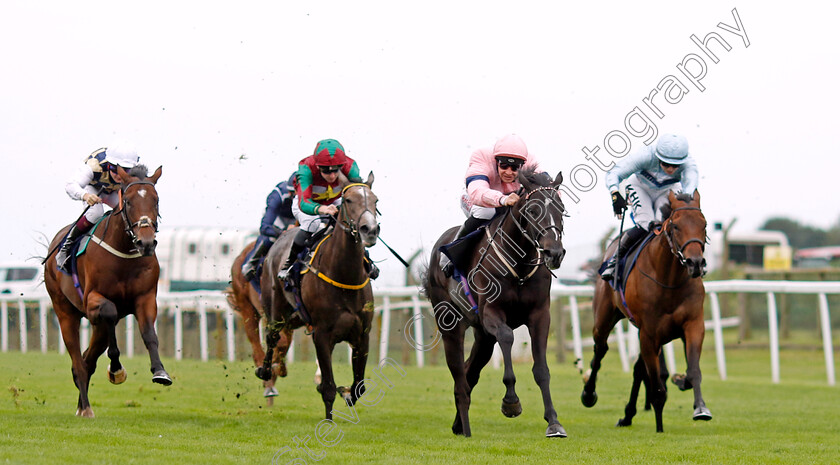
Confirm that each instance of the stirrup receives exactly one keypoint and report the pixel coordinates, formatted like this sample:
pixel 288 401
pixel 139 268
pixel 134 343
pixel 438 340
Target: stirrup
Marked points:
pixel 249 271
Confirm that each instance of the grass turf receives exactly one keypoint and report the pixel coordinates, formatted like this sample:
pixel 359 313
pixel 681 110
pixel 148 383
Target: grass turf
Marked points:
pixel 214 413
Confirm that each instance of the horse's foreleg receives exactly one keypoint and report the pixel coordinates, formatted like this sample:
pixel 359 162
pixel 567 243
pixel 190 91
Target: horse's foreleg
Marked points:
pixel 323 350
pixel 146 313
pixel 650 348
pixel 639 377
pixel 104 317
pixel 496 326
pixel 480 354
pixel 272 337
pixel 538 329
pixel 693 347
pixel 359 361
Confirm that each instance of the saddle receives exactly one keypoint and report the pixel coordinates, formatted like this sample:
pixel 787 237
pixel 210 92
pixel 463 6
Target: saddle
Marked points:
pixel 625 266
pixel 300 266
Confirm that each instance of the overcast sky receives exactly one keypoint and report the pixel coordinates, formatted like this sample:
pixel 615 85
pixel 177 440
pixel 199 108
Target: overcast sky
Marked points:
pixel 228 97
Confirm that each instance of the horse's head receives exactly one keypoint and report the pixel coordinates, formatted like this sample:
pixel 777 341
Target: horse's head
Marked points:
pixel 139 208
pixel 685 228
pixel 358 211
pixel 541 211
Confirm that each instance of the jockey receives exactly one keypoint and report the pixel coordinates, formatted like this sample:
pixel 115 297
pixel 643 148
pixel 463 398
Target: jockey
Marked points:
pixel 277 218
pixel 491 182
pixel 96 182
pixel 652 172
pixel 318 193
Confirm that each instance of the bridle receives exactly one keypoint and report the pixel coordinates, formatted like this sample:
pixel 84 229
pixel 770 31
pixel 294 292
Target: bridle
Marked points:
pixel 349 224
pixel 143 222
pixel 669 235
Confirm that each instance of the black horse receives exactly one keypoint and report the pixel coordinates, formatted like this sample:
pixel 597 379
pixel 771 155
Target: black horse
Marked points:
pixel 508 280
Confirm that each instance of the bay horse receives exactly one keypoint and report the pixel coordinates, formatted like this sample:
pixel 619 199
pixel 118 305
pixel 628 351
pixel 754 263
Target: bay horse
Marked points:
pixel 664 299
pixel 335 292
pixel 509 272
pixel 117 276
pixel 243 298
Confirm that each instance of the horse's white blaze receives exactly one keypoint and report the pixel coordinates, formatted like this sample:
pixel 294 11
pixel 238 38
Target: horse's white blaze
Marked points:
pixel 548 201
pixel 142 193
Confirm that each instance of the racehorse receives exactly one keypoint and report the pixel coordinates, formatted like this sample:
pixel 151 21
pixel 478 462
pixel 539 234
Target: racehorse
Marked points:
pixel 242 297
pixel 117 276
pixel 335 292
pixel 664 299
pixel 509 273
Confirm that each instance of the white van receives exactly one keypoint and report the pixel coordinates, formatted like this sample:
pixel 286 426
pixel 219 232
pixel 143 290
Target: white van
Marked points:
pixel 21 278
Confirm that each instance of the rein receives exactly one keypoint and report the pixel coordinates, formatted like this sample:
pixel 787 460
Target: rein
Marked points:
pixel 348 226
pixel 516 221
pixel 143 222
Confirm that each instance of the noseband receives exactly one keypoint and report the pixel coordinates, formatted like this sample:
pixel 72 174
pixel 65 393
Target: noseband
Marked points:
pixel 143 222
pixel 350 225
pixel 542 230
pixel 669 233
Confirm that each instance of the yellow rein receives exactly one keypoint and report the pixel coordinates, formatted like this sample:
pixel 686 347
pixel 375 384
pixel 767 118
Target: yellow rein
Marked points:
pixel 326 278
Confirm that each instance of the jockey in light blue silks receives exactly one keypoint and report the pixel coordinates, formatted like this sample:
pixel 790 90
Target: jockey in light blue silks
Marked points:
pixel 651 173
pixel 96 183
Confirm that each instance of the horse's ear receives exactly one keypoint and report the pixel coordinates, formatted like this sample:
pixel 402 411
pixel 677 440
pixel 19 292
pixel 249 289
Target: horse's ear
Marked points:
pixel 123 173
pixel 671 196
pixel 154 178
pixel 369 181
pixel 558 180
pixel 342 180
pixel 696 198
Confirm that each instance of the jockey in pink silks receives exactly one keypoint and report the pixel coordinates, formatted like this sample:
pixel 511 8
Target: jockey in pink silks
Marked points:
pixel 491 182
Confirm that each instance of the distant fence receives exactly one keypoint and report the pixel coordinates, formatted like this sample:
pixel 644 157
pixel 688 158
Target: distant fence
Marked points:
pixel 204 304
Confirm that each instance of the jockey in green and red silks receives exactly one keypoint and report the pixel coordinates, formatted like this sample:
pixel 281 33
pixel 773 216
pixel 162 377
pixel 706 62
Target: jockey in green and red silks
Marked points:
pixel 318 193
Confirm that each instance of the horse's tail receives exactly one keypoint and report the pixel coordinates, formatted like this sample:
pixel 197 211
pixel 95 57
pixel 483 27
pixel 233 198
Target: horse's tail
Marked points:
pixel 230 296
pixel 425 282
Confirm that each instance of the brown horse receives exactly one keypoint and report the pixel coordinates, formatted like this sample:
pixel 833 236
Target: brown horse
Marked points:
pixel 334 289
pixel 243 298
pixel 117 277
pixel 665 301
pixel 509 273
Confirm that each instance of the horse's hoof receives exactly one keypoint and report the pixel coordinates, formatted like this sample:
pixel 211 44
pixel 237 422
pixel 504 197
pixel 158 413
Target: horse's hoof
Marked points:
pixel 86 413
pixel 162 377
pixel 623 422
pixel 681 382
pixel 702 413
pixel 118 377
pixel 589 399
pixel 262 373
pixel 511 410
pixel 555 431
pixel 345 394
pixel 270 392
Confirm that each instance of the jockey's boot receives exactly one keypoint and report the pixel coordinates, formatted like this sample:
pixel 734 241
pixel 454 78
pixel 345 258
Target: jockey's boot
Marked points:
pixel 630 237
pixel 249 269
pixel 370 267
pixel 301 239
pixel 471 224
pixel 62 258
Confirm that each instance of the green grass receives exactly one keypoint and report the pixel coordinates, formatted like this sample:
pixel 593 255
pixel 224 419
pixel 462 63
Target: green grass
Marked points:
pixel 215 414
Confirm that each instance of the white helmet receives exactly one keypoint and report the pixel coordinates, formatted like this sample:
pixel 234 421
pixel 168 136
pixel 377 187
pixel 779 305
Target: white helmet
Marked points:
pixel 672 149
pixel 122 154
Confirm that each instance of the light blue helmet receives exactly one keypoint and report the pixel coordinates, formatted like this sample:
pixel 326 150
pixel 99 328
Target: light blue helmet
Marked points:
pixel 672 149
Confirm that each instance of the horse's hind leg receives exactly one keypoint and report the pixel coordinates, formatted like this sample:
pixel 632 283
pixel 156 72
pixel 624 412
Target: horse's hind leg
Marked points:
pixel 639 377
pixel 104 317
pixel 146 313
pixel 538 328
pixel 663 375
pixel 69 321
pixel 693 347
pixel 453 343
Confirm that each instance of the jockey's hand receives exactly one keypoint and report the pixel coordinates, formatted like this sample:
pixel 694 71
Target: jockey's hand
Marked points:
pixel 619 204
pixel 91 199
pixel 328 210
pixel 510 200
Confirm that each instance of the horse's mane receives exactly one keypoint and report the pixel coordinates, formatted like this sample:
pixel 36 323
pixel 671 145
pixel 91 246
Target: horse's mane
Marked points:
pixel 139 171
pixel 682 197
pixel 528 176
